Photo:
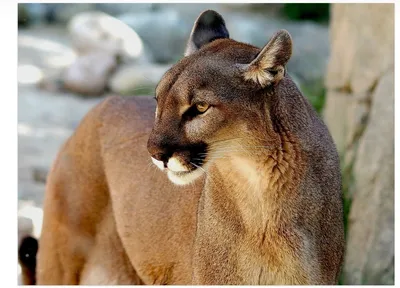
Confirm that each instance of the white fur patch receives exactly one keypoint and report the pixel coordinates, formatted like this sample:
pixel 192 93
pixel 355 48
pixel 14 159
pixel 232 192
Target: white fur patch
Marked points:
pixel 97 275
pixel 175 165
pixel 175 169
pixel 158 163
pixel 184 179
pixel 248 168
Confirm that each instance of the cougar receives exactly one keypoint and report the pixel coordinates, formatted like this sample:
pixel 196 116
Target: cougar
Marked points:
pixel 228 177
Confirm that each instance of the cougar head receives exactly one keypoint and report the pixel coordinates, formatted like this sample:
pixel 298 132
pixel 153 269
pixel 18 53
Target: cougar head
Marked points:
pixel 215 102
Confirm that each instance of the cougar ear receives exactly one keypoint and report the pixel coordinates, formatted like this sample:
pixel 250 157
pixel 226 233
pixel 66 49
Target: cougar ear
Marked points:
pixel 208 27
pixel 269 65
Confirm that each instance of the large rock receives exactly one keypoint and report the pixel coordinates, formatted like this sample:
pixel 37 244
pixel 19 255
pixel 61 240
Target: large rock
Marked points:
pixel 362 38
pixel 97 31
pixel 163 31
pixel 370 248
pixel 90 73
pixel 338 113
pixel 133 79
pixel 360 115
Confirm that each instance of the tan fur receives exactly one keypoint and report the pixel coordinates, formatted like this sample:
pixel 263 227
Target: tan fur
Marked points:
pixel 266 209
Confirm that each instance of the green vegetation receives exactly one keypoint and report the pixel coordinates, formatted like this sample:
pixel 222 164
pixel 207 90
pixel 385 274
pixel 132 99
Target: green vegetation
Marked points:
pixel 23 16
pixel 315 94
pixel 347 182
pixel 141 91
pixel 304 11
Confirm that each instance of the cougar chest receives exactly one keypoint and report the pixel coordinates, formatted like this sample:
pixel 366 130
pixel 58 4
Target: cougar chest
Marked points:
pixel 267 247
pixel 248 188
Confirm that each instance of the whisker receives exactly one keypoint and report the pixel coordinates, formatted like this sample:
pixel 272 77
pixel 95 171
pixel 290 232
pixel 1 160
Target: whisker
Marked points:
pixel 232 149
pixel 225 140
pixel 205 172
pixel 244 145
pixel 263 146
pixel 237 138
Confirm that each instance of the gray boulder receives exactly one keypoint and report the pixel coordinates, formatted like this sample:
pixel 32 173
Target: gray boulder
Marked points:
pixel 89 74
pixel 163 32
pixel 370 248
pixel 98 31
pixel 360 114
pixel 136 79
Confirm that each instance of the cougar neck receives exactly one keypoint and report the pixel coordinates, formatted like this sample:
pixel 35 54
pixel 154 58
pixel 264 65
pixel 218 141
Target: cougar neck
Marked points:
pixel 260 183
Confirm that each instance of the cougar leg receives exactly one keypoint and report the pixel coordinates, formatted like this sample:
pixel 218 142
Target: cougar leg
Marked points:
pixel 107 262
pixel 59 263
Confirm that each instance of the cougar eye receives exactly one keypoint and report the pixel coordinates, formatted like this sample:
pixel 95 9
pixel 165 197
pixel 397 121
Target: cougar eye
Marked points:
pixel 195 110
pixel 202 107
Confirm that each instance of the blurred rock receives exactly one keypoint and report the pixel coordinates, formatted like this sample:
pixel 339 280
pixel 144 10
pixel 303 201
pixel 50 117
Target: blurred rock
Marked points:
pixel 64 12
pixel 133 78
pixel 121 8
pixel 353 43
pixel 359 112
pixel 44 48
pixel 25 228
pixel 336 115
pixel 52 83
pixel 97 31
pixel 39 174
pixel 346 117
pixel 89 74
pixel 164 32
pixel 370 248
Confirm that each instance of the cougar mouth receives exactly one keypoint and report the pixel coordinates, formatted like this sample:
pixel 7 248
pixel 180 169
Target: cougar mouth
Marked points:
pixel 184 177
pixel 183 164
pixel 181 172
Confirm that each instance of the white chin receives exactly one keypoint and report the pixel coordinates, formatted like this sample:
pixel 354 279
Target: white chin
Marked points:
pixel 184 179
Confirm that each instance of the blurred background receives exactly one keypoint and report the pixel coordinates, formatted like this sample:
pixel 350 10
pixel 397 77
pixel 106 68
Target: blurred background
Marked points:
pixel 70 56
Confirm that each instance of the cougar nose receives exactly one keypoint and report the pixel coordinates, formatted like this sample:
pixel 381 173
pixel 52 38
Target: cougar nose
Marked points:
pixel 161 157
pixel 158 151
